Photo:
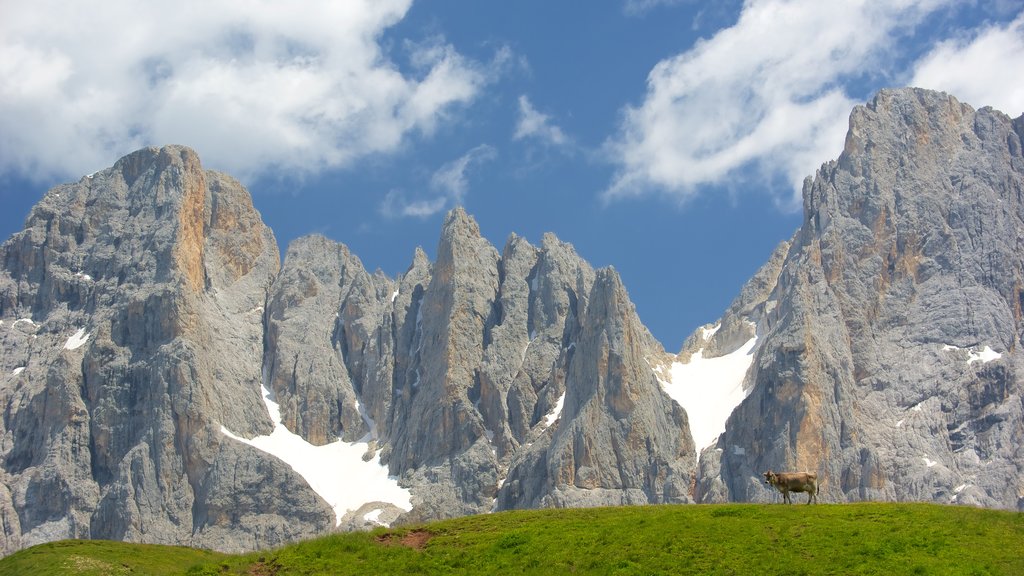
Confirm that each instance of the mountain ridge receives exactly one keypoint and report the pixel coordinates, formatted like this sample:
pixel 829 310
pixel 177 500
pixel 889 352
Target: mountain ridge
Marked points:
pixel 145 308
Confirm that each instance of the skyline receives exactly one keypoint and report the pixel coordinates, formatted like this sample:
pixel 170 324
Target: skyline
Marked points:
pixel 665 138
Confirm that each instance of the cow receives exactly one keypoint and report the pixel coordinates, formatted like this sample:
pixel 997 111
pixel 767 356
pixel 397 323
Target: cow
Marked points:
pixel 787 482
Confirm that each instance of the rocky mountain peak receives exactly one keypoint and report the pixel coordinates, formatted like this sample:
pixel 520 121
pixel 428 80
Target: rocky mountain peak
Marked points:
pixel 874 367
pixel 151 342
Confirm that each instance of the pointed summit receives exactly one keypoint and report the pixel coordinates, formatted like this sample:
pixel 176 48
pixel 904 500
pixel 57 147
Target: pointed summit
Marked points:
pixel 873 367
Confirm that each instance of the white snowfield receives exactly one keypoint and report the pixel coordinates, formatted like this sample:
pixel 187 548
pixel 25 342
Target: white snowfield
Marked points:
pixel 335 471
pixel 985 355
pixel 556 413
pixel 77 340
pixel 709 389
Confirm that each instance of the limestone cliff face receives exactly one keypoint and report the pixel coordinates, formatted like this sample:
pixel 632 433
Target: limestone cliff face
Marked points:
pixel 457 307
pixel 890 356
pixel 619 439
pixel 318 338
pixel 456 367
pixel 132 326
pixel 144 314
pixel 143 311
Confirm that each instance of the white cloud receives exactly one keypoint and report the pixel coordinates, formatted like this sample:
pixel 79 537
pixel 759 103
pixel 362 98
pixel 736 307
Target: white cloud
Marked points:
pixel 533 124
pixel 450 179
pixel 983 70
pixel 396 205
pixel 449 183
pixel 764 94
pixel 253 86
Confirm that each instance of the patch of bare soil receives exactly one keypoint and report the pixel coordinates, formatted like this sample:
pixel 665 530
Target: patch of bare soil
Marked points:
pixel 415 539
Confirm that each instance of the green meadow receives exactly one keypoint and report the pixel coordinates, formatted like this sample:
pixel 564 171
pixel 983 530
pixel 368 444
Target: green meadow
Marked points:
pixel 867 538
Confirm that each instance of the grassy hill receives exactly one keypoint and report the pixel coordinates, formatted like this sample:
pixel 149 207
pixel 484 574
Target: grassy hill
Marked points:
pixel 868 538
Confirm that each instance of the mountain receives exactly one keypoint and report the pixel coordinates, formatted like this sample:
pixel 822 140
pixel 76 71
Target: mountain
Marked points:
pixel 889 328
pixel 166 378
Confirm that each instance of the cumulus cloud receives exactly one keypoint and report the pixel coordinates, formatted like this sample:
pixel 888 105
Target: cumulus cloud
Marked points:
pixel 533 124
pixel 981 70
pixel 253 86
pixel 765 94
pixel 449 185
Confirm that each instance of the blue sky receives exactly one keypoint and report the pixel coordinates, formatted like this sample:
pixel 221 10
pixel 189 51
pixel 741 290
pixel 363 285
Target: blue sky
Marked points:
pixel 666 138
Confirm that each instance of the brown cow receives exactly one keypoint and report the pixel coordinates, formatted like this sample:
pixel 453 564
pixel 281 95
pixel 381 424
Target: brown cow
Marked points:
pixel 787 482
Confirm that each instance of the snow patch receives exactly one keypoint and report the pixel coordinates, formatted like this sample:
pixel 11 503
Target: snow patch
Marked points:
pixel 20 320
pixel 709 389
pixel 959 488
pixel 335 471
pixel 394 295
pixel 556 413
pixel 374 516
pixel 83 276
pixel 928 462
pixel 985 355
pixel 707 333
pixel 17 370
pixel 77 339
pixel 899 424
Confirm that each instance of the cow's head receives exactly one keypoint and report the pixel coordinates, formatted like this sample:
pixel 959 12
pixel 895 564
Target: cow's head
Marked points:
pixel 770 477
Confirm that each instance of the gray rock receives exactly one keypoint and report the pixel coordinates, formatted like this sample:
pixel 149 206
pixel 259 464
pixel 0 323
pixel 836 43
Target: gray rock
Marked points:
pixel 907 266
pixel 452 317
pixel 250 501
pixel 142 310
pixel 307 340
pixel 619 439
pixel 131 333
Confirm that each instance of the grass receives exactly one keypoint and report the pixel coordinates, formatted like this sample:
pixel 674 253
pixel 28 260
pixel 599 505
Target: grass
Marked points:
pixel 868 538
pixel 103 558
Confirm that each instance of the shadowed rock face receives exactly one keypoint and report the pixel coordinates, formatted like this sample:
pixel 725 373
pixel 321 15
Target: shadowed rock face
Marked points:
pixel 907 267
pixel 144 307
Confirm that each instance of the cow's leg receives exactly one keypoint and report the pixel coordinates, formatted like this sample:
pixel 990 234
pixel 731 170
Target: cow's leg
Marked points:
pixel 810 496
pixel 785 497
